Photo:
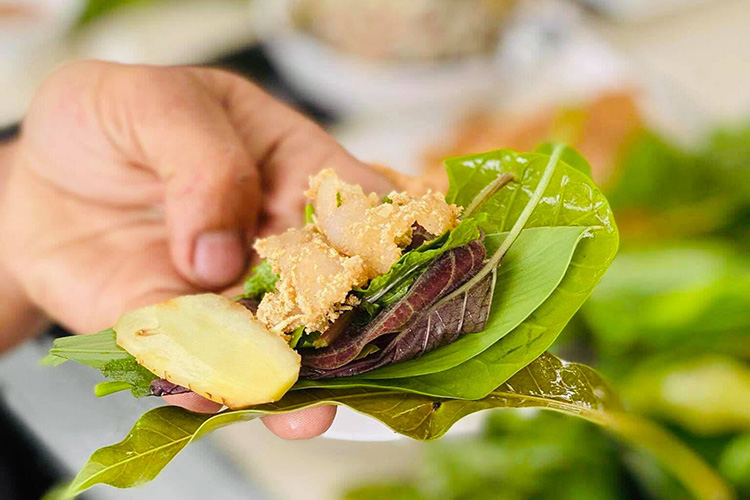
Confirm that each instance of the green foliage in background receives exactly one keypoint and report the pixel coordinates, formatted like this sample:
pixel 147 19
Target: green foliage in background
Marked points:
pixel 520 455
pixel 674 192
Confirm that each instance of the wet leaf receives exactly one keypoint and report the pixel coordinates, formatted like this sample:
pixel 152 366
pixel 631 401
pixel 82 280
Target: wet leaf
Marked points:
pixel 571 200
pixel 547 383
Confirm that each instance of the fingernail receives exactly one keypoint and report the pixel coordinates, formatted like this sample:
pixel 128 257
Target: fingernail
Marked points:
pixel 219 257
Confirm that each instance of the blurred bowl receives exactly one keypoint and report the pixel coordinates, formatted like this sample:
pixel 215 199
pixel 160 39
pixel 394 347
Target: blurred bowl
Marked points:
pixel 339 78
pixel 398 30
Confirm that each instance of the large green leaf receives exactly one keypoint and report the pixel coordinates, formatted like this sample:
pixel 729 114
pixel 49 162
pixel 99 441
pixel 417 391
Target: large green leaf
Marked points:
pixel 546 383
pixel 571 199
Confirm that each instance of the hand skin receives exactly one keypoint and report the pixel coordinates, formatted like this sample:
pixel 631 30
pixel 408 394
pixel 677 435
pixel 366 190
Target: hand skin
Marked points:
pixel 19 318
pixel 130 185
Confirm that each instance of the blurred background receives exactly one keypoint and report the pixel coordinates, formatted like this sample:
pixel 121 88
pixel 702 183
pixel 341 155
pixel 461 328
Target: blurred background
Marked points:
pixel 655 93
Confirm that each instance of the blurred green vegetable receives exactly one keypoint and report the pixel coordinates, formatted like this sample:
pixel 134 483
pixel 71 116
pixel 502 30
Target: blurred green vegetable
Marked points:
pixel 692 298
pixel 521 455
pixel 735 462
pixel 662 190
pixel 706 395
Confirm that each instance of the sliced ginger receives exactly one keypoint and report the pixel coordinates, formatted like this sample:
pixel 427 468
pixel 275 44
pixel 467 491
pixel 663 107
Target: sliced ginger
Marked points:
pixel 213 346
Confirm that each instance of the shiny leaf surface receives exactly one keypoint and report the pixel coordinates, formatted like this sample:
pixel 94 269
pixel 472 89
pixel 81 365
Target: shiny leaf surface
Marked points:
pixel 547 383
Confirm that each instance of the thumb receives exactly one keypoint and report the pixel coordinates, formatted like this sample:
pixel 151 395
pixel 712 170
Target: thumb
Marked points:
pixel 211 185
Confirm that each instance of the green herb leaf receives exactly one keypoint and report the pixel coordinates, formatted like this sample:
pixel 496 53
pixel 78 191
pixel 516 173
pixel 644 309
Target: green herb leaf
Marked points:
pixel 699 394
pixel 130 372
pixel 94 350
pixel 735 461
pixel 569 156
pixel 296 336
pixel 261 281
pixel 695 296
pixel 100 351
pixel 547 383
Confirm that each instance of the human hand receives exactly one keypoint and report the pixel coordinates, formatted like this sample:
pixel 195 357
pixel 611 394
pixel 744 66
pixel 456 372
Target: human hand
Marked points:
pixel 134 184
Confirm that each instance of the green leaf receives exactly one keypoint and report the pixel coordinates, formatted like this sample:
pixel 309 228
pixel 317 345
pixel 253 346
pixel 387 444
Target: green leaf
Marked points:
pixel 296 336
pixel 735 461
pixel 106 388
pixel 100 351
pixel 52 360
pixel 692 297
pixel 548 383
pixel 569 156
pixel 261 281
pixel 94 350
pixel 130 372
pixel 309 213
pixel 571 199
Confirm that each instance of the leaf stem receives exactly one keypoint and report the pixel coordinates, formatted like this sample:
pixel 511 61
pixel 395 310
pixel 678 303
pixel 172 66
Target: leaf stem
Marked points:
pixel 106 388
pixel 515 231
pixel 488 191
